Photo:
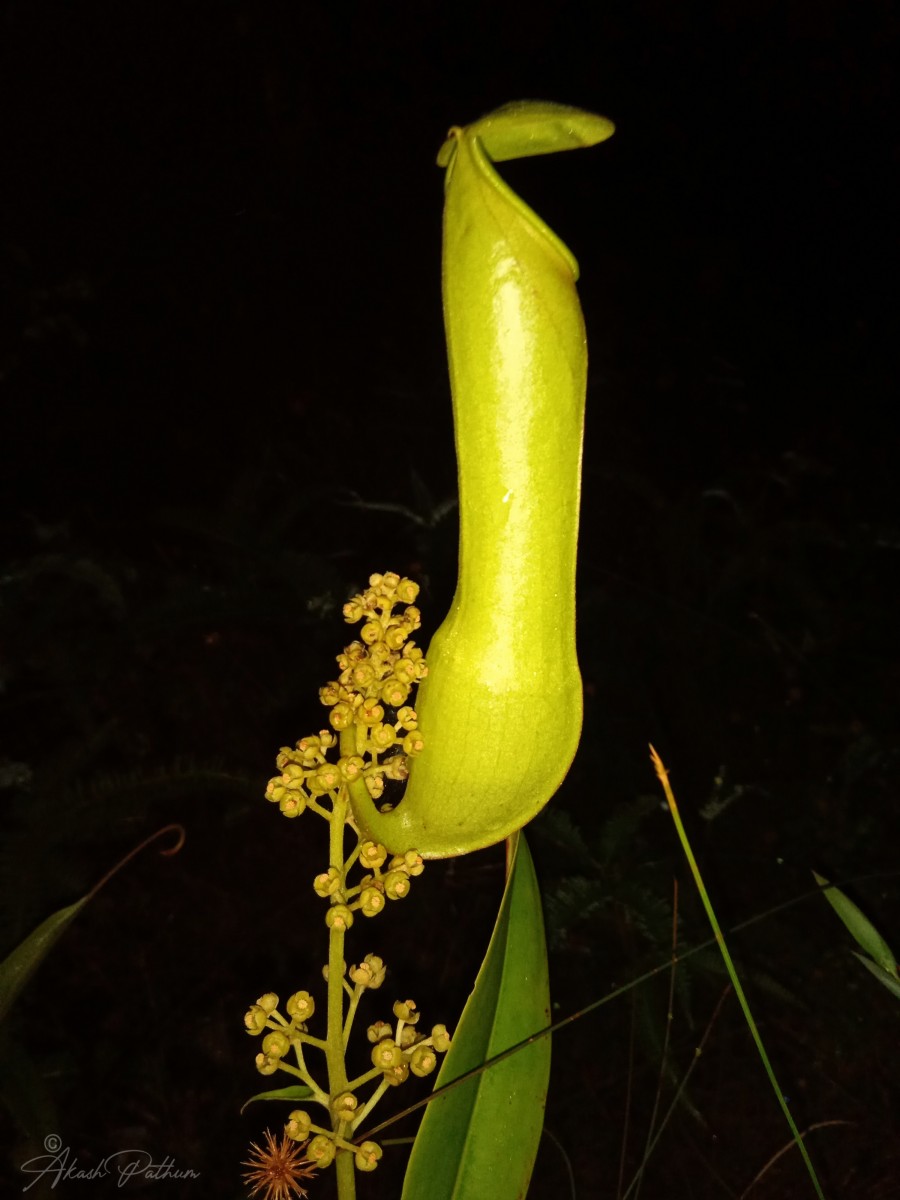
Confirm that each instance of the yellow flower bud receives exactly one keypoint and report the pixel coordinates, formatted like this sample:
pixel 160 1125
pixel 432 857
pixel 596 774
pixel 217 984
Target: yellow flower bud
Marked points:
pixel 367 1156
pixel 292 804
pixel 377 968
pixel 396 767
pixel 353 653
pixel 266 1064
pixel 321 1151
pixel 406 1011
pixel 255 1019
pixel 276 1044
pixel 300 1006
pixel 275 790
pixel 310 750
pixel 396 885
pixel 369 974
pixel 317 783
pixel 382 737
pixel 382 659
pixel 413 744
pixel 386 1055
pixel 395 692
pixel 422 1061
pixel 327 883
pixel 298 1124
pixel 397 1075
pixel 371 632
pixel 327 777
pixel 341 716
pixel 343 1106
pixel 411 862
pixel 339 916
pixel 407 591
pixel 440 1039
pixel 370 712
pixel 405 671
pixel 372 855
pixel 395 637
pixel 374 786
pixel 353 610
pixel 371 901
pixel 351 767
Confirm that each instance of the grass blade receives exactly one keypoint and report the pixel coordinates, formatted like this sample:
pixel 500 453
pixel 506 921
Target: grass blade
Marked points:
pixel 860 926
pixel 663 776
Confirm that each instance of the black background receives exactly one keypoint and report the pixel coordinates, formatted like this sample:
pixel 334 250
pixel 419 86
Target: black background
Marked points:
pixel 223 402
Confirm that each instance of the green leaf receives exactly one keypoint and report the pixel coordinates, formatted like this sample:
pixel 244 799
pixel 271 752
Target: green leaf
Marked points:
pixel 481 1138
pixel 18 967
pixel 891 982
pixel 860 926
pixel 296 1091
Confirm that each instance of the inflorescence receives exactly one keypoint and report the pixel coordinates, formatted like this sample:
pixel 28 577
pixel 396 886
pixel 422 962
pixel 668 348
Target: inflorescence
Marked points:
pixel 375 731
pixel 368 703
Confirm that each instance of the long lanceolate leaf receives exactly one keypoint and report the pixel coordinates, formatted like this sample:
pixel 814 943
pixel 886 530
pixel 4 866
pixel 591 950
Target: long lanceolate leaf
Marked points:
pixel 19 966
pixel 480 1140
pixel 863 930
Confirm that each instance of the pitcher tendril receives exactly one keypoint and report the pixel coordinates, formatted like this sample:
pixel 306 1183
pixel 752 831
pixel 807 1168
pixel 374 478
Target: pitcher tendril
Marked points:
pixel 373 733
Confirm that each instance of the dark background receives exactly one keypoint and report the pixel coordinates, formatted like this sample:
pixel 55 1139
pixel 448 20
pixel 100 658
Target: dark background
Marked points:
pixel 223 403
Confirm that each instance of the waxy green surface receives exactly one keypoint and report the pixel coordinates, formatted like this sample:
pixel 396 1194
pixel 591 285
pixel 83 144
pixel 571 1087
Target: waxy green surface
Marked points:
pixel 500 710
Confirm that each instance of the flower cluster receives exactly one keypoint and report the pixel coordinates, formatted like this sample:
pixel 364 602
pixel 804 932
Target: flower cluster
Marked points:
pixel 282 1034
pixel 369 714
pixel 374 728
pixel 387 879
pixel 396 1051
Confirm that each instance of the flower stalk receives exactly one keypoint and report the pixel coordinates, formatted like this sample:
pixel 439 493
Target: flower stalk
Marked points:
pixel 373 732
